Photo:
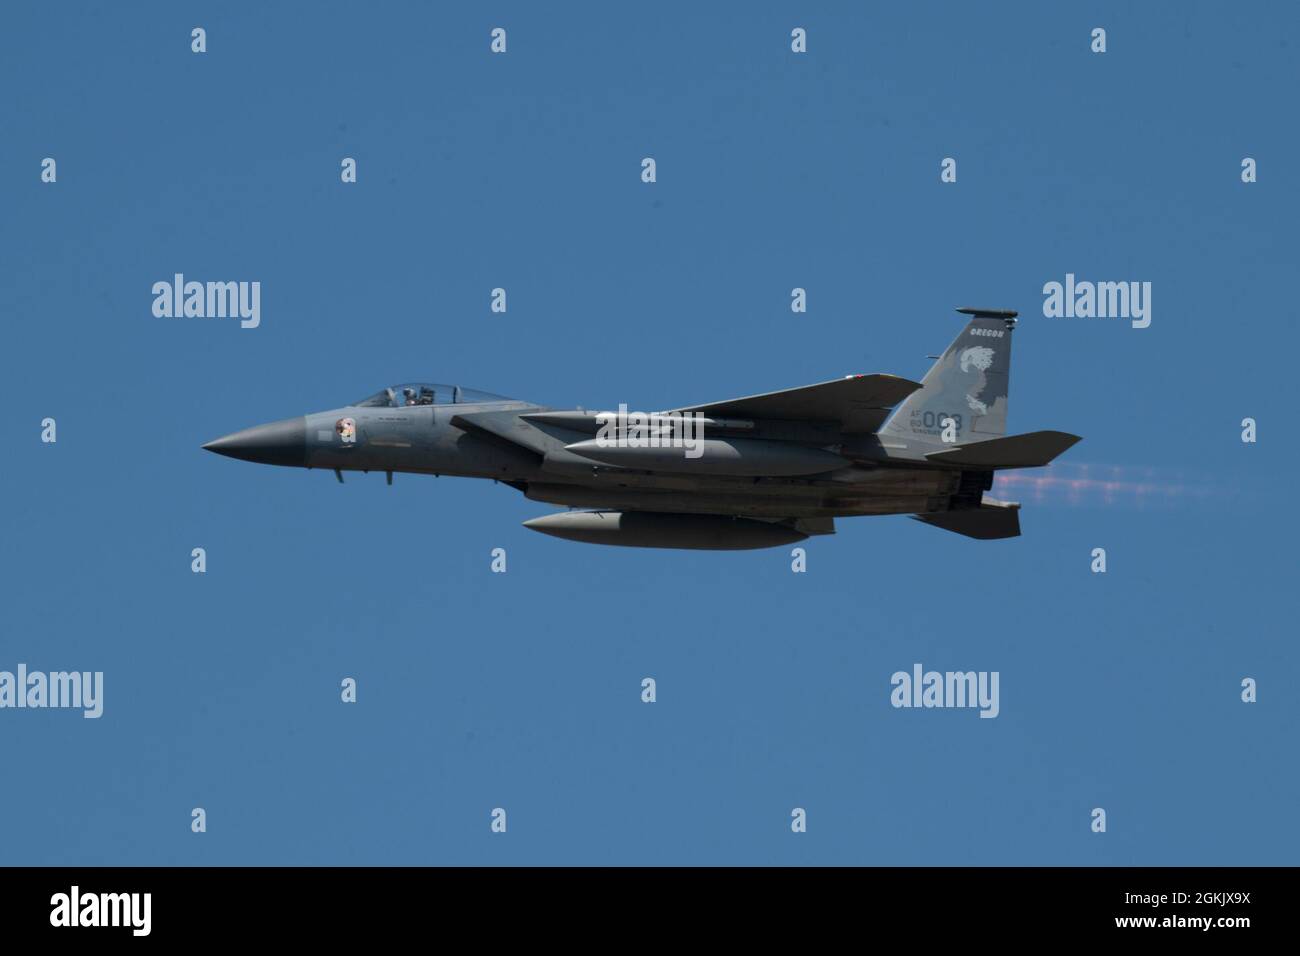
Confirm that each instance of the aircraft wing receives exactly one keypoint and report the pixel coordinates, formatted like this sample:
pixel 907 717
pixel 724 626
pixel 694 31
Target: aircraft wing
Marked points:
pixel 993 519
pixel 507 426
pixel 858 403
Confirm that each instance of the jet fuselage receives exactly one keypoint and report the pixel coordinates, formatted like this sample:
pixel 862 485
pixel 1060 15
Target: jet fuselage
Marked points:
pixel 754 472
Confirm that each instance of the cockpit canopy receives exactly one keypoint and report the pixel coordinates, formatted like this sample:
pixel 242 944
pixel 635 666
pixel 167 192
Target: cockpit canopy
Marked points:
pixel 426 393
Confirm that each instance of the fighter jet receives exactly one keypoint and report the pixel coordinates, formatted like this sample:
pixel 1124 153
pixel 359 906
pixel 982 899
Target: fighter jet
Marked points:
pixel 755 472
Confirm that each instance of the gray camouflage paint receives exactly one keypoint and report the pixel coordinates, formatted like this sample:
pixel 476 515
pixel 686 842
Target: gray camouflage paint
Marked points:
pixel 968 383
pixel 884 472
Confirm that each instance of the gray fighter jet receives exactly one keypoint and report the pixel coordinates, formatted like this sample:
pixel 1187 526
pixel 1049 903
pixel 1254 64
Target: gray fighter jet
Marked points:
pixel 752 472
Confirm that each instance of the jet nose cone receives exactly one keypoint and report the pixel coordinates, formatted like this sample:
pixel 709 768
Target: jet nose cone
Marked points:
pixel 279 443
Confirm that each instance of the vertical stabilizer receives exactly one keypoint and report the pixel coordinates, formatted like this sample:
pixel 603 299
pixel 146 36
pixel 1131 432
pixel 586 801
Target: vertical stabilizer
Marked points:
pixel 967 384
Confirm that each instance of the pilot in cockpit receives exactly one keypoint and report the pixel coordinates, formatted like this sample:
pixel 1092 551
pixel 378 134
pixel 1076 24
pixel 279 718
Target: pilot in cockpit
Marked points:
pixel 409 394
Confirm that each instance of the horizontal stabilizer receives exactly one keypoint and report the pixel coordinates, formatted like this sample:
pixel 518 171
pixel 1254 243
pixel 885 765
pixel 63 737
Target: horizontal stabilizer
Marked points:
pixel 993 519
pixel 1030 450
pixel 859 403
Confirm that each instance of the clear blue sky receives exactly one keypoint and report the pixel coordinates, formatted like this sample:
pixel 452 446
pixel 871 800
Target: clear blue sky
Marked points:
pixel 522 690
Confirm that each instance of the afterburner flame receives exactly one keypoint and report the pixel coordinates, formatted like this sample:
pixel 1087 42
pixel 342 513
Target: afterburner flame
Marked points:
pixel 1095 485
